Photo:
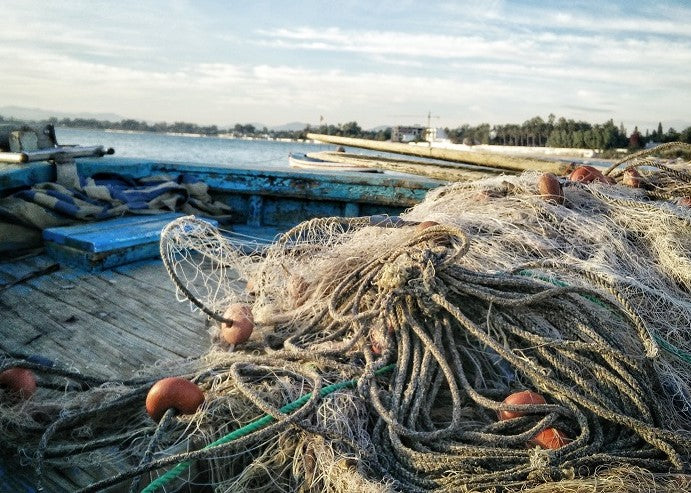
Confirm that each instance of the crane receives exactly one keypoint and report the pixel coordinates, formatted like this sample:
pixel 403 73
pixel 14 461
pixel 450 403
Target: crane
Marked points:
pixel 429 117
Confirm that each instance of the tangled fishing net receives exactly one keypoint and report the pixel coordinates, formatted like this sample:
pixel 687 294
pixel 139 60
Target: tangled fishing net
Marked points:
pixel 384 347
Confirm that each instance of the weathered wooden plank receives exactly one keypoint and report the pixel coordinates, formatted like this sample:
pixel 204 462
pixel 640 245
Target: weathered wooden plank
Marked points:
pixel 61 338
pixel 93 262
pixel 99 236
pixel 317 188
pixel 139 311
pixel 312 185
pixel 71 312
pixel 437 171
pixel 119 321
pixel 150 274
pixel 16 478
pixel 148 283
pixel 14 176
pixel 162 321
pixel 105 244
pixel 480 158
pixel 16 333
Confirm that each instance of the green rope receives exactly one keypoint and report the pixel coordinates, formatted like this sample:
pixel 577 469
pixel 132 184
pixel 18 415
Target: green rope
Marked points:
pixel 664 344
pixel 672 349
pixel 254 426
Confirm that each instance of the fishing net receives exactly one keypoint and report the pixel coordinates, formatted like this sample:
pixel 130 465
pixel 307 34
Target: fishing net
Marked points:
pixel 384 347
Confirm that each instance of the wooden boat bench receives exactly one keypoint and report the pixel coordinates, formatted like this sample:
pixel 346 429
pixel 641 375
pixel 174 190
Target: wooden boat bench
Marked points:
pixel 106 244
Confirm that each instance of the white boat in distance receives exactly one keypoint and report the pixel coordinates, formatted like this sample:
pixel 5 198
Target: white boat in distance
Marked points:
pixel 303 161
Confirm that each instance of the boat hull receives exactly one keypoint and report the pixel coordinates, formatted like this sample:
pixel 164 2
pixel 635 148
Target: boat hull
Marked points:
pixel 303 161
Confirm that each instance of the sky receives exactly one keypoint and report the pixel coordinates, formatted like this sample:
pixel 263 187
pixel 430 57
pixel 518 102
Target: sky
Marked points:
pixel 374 62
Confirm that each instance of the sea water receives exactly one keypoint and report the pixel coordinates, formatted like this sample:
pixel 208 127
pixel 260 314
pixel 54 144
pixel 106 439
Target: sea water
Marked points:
pixel 235 153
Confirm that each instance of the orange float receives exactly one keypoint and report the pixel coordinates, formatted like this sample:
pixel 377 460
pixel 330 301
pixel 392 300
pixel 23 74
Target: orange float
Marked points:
pixel 632 178
pixel 550 438
pixel 525 397
pixel 550 189
pixel 19 381
pixel 426 224
pixel 173 393
pixel 587 174
pixel 243 324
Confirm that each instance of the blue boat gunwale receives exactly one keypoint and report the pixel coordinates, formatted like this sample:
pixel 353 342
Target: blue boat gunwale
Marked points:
pixel 16 176
pixel 268 181
pixel 304 157
pixel 267 199
pixel 379 188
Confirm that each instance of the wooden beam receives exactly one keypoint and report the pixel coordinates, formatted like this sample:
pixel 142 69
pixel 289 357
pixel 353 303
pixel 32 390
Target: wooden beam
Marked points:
pixel 446 172
pixel 493 160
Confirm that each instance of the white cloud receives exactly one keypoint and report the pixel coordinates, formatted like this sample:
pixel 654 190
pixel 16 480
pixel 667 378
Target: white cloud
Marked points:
pixel 481 61
pixel 399 44
pixel 534 48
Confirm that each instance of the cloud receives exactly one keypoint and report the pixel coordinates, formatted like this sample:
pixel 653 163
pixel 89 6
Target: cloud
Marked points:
pixel 534 48
pixel 589 109
pixel 390 43
pixel 609 18
pixel 469 62
pixel 549 56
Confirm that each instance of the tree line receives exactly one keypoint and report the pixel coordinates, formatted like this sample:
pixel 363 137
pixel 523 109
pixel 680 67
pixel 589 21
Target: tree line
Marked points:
pixel 552 132
pixel 561 132
pixel 349 129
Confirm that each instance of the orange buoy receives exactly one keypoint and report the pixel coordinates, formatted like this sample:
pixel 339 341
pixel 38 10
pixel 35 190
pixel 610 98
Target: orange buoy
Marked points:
pixel 550 189
pixel 173 393
pixel 587 174
pixel 20 382
pixel 243 324
pixel 524 397
pixel 426 224
pixel 632 178
pixel 550 438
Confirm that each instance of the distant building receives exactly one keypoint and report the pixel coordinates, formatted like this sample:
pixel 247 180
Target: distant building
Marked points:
pixel 436 134
pixel 416 133
pixel 407 134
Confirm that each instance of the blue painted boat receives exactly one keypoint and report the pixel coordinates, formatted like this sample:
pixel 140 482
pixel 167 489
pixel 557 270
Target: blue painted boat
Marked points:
pixel 263 201
pixel 93 293
pixel 303 161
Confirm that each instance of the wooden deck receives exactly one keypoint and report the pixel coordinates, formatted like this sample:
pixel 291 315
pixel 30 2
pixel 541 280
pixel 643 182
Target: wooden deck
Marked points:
pixel 107 324
pixel 110 323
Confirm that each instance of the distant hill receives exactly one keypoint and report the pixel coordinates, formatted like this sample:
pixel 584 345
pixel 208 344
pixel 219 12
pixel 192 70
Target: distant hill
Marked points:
pixel 22 113
pixel 35 114
pixel 289 127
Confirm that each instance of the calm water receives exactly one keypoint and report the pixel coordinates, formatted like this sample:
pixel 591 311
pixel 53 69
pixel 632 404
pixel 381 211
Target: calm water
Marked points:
pixel 235 153
pixel 209 150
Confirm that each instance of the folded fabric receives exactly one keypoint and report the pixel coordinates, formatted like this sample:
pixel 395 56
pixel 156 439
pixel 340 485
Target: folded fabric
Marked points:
pixel 104 196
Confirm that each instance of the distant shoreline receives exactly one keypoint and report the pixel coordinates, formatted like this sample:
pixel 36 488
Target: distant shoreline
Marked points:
pixel 557 153
pixel 193 135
